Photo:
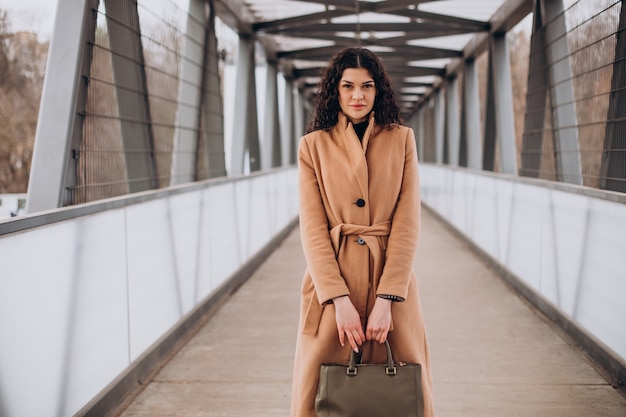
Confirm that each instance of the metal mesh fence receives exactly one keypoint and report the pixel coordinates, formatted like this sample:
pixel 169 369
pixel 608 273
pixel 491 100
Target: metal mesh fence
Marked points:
pixel 583 70
pixel 132 101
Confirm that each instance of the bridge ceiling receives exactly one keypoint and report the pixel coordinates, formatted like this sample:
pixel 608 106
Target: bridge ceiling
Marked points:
pixel 416 39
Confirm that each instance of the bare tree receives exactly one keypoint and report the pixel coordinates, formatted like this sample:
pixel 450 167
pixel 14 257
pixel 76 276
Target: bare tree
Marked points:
pixel 22 65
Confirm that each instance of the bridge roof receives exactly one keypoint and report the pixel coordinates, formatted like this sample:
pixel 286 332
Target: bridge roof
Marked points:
pixel 419 41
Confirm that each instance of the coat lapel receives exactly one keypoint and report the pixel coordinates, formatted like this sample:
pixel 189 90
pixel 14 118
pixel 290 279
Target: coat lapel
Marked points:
pixel 368 133
pixel 354 150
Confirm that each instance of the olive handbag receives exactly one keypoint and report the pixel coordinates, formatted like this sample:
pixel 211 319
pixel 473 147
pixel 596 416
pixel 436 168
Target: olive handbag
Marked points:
pixel 368 390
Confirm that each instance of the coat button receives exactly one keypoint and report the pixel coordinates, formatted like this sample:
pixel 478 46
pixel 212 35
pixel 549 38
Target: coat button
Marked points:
pixel 360 241
pixel 360 202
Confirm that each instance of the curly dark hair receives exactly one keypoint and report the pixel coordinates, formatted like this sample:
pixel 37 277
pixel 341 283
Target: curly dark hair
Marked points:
pixel 326 110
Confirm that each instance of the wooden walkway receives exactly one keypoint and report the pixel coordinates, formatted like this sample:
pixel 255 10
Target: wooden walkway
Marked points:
pixel 493 356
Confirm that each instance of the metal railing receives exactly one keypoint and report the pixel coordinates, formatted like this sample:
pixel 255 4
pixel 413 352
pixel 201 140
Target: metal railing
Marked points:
pixel 87 291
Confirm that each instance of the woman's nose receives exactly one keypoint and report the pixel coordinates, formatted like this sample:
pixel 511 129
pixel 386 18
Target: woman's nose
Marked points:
pixel 357 93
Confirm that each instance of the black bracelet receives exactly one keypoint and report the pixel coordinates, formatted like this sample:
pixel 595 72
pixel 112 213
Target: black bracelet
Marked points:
pixel 391 297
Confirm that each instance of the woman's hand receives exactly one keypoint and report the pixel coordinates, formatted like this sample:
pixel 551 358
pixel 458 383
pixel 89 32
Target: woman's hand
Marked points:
pixel 348 322
pixel 379 321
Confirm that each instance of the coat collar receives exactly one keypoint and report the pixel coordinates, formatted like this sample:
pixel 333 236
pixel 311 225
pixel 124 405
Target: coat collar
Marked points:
pixel 346 130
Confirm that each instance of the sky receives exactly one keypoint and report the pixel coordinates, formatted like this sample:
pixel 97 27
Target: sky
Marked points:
pixel 34 15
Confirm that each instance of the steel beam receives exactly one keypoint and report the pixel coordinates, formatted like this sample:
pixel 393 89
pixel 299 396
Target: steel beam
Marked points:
pixel 490 137
pixel 212 103
pixel 439 126
pixel 503 20
pixel 186 137
pixel 471 112
pixel 503 100
pixel 418 125
pixel 271 156
pixel 538 86
pixel 63 96
pixel 452 121
pixel 299 117
pixel 613 171
pixel 245 131
pixel 289 136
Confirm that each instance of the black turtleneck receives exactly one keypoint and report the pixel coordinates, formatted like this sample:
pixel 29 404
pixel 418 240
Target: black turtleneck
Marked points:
pixel 360 129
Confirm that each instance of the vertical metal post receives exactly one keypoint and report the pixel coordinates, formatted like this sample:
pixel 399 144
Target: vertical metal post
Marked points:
pixel 463 128
pixel 189 96
pixel 439 126
pixel 271 138
pixel 290 149
pixel 245 131
pixel 213 103
pixel 299 116
pixel 132 94
pixel 489 152
pixel 430 146
pixel 503 95
pixel 471 110
pixel 533 138
pixel 452 121
pixel 564 119
pixel 62 102
pixel 415 123
pixel 613 170
pixel 420 132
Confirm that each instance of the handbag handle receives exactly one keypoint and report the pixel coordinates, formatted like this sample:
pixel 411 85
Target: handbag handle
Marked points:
pixel 390 370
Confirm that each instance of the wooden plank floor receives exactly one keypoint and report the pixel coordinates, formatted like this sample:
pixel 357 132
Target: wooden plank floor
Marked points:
pixel 493 356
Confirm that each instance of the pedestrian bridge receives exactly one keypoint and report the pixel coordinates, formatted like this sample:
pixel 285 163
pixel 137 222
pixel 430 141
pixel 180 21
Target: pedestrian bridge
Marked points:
pixel 157 269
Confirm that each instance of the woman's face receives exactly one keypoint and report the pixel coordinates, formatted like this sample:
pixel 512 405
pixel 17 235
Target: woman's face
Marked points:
pixel 357 92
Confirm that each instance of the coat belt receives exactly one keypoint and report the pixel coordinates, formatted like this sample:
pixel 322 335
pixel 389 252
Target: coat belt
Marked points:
pixel 370 234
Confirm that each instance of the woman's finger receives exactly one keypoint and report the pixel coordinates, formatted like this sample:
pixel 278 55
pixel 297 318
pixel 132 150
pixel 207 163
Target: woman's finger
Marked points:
pixel 353 342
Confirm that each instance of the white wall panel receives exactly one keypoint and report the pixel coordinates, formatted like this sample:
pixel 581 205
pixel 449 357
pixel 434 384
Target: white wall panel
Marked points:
pixel 35 294
pixel 504 203
pixel 485 216
pixel 285 199
pixel 567 246
pixel 223 240
pixel 153 291
pixel 243 208
pixel 524 243
pixel 184 220
pixel 260 214
pixel 568 228
pixel 603 275
pixel 203 281
pixel 97 342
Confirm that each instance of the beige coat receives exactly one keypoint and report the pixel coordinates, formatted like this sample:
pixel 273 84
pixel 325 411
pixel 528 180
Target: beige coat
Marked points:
pixel 359 220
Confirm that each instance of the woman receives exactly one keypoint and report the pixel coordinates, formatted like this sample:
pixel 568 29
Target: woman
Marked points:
pixel 359 221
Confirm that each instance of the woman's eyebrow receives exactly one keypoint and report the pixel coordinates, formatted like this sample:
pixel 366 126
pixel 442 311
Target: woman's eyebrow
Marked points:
pixel 364 83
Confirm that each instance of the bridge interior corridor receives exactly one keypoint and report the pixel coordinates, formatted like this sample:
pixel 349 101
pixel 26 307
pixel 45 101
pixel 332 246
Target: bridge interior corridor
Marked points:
pixel 163 173
pixel 493 355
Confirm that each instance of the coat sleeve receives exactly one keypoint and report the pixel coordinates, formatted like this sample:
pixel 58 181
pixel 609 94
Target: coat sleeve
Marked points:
pixel 318 251
pixel 403 238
